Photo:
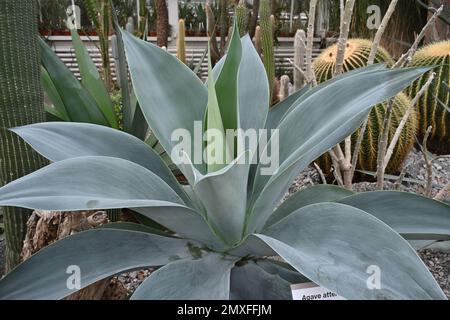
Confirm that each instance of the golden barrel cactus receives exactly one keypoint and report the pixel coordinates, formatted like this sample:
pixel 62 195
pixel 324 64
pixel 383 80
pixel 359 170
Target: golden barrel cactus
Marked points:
pixel 356 55
pixel 434 105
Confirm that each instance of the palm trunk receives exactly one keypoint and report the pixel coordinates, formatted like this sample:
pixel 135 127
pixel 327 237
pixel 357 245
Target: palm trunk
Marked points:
pixel 103 32
pixel 21 103
pixel 46 227
pixel 162 23
pixel 254 19
pixel 441 30
pixel 223 25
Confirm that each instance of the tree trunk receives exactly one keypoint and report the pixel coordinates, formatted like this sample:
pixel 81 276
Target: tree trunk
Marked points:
pixel 21 103
pixel 322 18
pixel 162 23
pixel 223 25
pixel 441 30
pixel 254 19
pixel 46 227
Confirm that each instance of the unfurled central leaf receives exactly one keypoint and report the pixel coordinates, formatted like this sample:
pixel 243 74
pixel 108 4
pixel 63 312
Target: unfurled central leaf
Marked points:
pixel 217 153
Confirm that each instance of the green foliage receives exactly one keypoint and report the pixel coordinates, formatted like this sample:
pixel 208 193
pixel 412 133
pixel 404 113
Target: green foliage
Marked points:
pixel 69 96
pixel 215 234
pixel 356 55
pixel 434 104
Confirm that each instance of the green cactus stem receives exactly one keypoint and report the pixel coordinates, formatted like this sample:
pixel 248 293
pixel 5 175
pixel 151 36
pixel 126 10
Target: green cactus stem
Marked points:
pixel 21 103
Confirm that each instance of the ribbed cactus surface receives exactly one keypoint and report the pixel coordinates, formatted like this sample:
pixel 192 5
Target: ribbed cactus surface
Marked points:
pixel 434 105
pixel 21 102
pixel 241 13
pixel 356 55
pixel 267 43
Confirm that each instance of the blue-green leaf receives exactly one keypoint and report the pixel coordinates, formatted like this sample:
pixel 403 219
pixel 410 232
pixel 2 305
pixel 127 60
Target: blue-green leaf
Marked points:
pixel 88 183
pixel 170 95
pixel 251 282
pixel 336 246
pixel 307 196
pixel 330 113
pixel 78 102
pixel 413 216
pixel 227 82
pixel 207 278
pixel 96 254
pixel 91 80
pixel 60 140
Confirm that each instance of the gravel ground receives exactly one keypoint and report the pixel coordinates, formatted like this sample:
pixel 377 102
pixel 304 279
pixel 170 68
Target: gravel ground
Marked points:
pixel 439 265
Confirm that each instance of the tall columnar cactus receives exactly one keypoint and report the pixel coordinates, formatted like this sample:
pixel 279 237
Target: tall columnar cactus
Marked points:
pixel 241 13
pixel 258 45
pixel 181 43
pixel 299 58
pixel 267 43
pixel 21 102
pixel 356 55
pixel 434 105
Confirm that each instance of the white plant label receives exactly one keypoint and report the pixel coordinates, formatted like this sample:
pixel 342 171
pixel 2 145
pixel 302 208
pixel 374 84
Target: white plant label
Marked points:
pixel 311 291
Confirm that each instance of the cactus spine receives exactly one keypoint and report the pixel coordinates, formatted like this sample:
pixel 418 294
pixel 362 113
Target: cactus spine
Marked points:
pixel 241 13
pixel 181 43
pixel 356 55
pixel 21 103
pixel 299 58
pixel 266 24
pixel 433 104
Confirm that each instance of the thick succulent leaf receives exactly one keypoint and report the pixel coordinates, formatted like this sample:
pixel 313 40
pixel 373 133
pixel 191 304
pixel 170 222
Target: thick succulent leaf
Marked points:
pixel 227 82
pixel 413 216
pixel 282 269
pixel 79 103
pixel 207 278
pixel 307 196
pixel 252 246
pixel 91 80
pixel 346 103
pixel 251 282
pixel 278 111
pixel 99 253
pixel 224 197
pixel 131 226
pixel 217 69
pixel 252 88
pixel 170 95
pixel 122 69
pixel 366 69
pixel 334 244
pixel 139 126
pixel 88 183
pixel 60 140
pixel 52 92
pixel 185 222
pixel 214 122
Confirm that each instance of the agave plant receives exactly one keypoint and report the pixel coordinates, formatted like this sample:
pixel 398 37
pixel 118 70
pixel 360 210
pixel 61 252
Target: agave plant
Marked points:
pixel 213 238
